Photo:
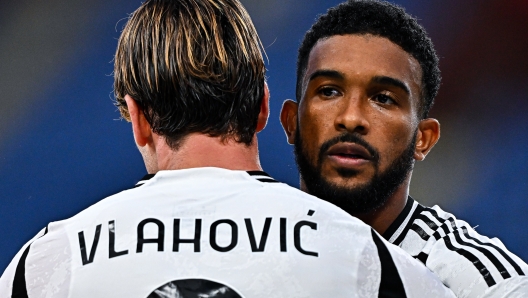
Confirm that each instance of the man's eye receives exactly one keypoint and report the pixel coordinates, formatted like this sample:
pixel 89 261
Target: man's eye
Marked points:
pixel 329 92
pixel 384 99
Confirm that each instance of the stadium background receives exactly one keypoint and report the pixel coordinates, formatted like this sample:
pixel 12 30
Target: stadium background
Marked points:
pixel 63 147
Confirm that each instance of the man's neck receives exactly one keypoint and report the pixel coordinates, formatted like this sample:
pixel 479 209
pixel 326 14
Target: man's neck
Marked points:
pixel 199 150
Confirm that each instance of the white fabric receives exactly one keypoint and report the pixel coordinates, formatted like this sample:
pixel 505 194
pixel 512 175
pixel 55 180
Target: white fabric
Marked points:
pixel 334 255
pixel 461 257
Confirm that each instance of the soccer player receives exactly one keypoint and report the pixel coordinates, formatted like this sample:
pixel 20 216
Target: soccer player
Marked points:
pixel 367 75
pixel 206 221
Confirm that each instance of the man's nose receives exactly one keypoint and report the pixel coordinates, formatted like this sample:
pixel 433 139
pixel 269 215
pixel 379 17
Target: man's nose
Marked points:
pixel 352 115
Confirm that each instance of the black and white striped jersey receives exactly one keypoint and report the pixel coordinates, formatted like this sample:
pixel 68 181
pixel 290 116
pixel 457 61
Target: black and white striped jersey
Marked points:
pixel 470 264
pixel 216 233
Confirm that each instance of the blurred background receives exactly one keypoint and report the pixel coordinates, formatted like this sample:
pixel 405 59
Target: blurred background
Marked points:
pixel 63 146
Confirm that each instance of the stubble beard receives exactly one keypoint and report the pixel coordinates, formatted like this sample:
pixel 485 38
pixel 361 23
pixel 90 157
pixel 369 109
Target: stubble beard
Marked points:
pixel 360 199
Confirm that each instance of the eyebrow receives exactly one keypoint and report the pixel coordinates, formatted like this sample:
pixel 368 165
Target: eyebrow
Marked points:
pixel 382 80
pixel 326 73
pixel 391 82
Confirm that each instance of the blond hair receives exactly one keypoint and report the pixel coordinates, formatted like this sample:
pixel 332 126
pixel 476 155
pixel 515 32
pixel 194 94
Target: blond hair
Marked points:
pixel 192 66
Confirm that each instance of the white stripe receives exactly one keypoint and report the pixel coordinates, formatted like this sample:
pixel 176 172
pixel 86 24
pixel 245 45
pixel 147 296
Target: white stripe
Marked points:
pixel 261 177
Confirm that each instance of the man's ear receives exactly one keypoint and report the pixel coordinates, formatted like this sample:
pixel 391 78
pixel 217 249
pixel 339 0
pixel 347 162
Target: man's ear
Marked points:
pixel 427 136
pixel 140 126
pixel 288 119
pixel 264 110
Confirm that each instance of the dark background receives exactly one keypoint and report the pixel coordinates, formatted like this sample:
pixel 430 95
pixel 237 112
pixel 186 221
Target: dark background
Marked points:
pixel 63 147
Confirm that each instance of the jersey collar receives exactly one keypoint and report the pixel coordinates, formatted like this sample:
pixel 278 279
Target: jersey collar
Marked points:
pixel 144 179
pixel 397 225
pixel 258 175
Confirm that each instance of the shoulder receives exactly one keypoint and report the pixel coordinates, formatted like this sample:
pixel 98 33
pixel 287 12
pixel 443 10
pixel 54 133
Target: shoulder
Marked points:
pixel 41 266
pixel 12 278
pixel 465 260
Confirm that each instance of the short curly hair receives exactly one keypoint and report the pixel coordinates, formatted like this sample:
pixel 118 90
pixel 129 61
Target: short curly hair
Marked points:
pixel 378 18
pixel 192 66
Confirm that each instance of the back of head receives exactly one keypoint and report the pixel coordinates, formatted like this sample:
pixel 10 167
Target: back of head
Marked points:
pixel 378 18
pixel 193 66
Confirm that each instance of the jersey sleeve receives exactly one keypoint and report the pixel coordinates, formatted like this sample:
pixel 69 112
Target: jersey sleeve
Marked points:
pixel 41 268
pixel 515 287
pixel 13 281
pixel 403 276
pixel 472 265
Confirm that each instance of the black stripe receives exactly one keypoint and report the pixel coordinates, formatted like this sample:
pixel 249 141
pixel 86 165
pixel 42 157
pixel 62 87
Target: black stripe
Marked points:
pixel 445 225
pixel 437 236
pixel 19 281
pixel 261 173
pixel 268 180
pixel 258 173
pixel 476 262
pixel 502 252
pixel 144 179
pixel 422 257
pixel 420 232
pixel 391 284
pixel 399 220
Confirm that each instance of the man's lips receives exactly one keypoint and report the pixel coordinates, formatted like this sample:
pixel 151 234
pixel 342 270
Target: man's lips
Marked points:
pixel 349 154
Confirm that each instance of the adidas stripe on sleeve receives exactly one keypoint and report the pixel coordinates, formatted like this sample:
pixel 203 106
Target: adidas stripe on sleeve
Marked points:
pixel 470 264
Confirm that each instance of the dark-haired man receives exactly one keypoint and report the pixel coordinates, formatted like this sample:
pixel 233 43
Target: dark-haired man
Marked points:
pixel 367 75
pixel 207 221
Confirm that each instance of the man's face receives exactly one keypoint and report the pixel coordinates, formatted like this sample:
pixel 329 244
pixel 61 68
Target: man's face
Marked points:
pixel 357 120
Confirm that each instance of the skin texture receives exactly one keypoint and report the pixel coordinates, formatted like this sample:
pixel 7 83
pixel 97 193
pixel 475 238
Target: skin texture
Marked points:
pixel 369 87
pixel 196 149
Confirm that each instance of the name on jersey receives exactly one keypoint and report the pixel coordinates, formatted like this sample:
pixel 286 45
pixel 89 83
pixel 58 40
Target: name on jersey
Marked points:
pixel 230 231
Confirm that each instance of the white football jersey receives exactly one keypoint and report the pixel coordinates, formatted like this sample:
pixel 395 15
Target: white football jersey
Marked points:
pixel 210 232
pixel 470 264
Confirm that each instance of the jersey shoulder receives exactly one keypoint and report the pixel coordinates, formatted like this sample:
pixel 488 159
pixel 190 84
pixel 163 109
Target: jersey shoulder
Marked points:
pixel 469 263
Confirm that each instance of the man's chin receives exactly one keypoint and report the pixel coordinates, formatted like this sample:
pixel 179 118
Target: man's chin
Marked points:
pixel 350 182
